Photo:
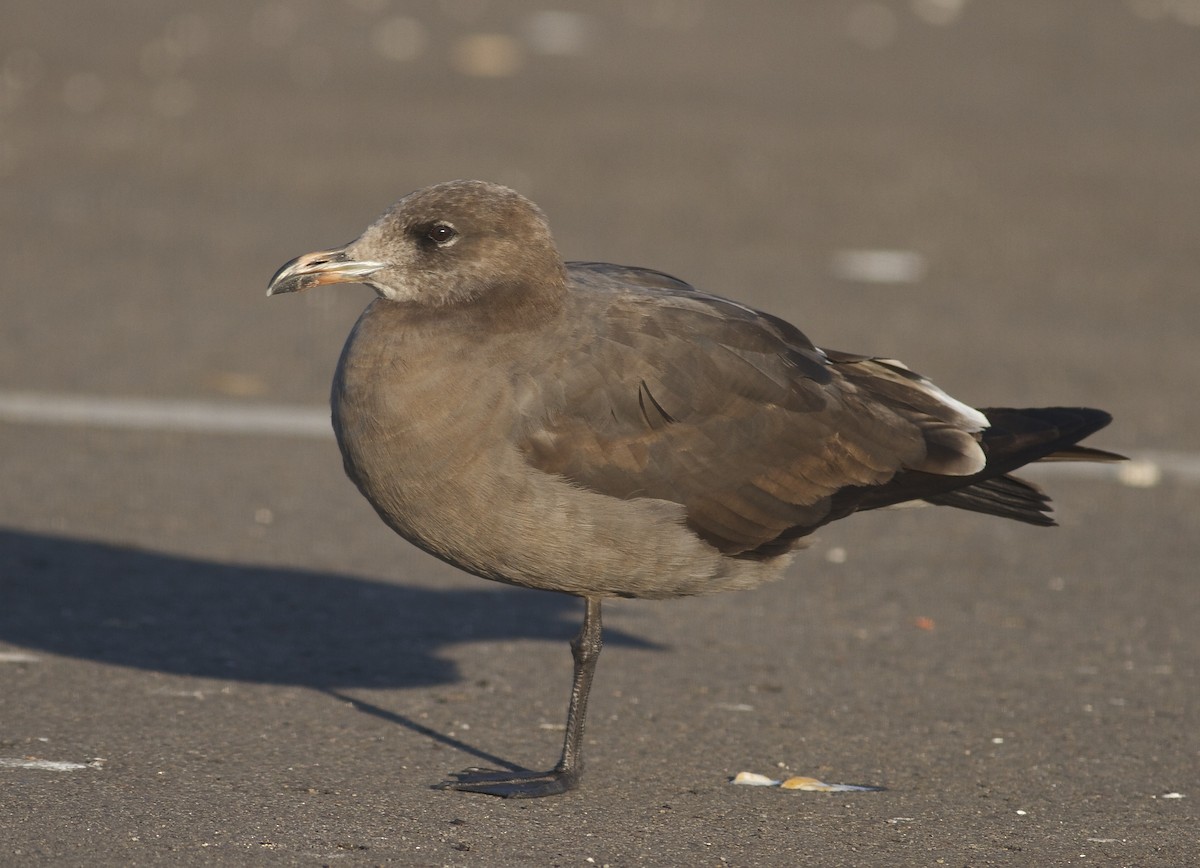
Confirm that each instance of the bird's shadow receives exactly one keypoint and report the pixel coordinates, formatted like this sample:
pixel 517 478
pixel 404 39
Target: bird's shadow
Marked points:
pixel 186 616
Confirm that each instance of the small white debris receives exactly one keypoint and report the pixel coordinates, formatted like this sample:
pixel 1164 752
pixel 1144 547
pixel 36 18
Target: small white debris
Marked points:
pixel 1021 813
pixel 487 55
pixel 836 555
pixel 1173 795
pixel 753 779
pixel 735 706
pixel 878 266
pixel 1139 473
pixel 938 12
pixel 997 740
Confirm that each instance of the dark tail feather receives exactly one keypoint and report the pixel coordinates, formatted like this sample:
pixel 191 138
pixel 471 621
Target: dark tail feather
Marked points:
pixel 1014 439
pixel 1019 437
pixel 1005 496
pixel 1083 453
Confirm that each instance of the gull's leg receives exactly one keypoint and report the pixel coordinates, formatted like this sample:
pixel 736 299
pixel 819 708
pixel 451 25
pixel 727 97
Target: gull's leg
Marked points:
pixel 585 649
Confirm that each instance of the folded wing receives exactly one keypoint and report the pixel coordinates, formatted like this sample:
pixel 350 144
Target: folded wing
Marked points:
pixel 734 414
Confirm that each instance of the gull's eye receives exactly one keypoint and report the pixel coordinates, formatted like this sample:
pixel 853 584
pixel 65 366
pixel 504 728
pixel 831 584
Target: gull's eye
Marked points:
pixel 441 234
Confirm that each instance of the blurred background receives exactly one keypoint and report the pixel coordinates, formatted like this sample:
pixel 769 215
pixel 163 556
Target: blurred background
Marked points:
pixel 1005 195
pixel 1034 163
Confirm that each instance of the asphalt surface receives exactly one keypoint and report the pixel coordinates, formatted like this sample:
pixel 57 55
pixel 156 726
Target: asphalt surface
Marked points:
pixel 212 652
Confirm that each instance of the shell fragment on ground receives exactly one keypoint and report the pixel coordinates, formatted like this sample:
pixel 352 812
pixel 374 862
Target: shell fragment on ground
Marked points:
pixel 753 779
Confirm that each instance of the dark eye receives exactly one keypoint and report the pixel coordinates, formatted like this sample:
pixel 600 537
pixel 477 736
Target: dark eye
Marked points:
pixel 441 233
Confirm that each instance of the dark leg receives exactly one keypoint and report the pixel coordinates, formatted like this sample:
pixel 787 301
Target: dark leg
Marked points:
pixel 585 649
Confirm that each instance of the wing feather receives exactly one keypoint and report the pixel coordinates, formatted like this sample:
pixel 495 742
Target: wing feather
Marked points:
pixel 673 394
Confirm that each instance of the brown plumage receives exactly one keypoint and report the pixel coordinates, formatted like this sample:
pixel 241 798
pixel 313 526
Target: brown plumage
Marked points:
pixel 603 430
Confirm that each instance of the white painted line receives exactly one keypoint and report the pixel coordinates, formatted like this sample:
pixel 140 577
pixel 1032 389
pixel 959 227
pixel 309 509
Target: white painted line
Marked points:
pixel 149 415
pixel 17 657
pixel 13 762
pixel 1146 470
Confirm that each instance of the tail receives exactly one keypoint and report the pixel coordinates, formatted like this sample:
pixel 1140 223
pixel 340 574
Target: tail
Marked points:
pixel 1013 439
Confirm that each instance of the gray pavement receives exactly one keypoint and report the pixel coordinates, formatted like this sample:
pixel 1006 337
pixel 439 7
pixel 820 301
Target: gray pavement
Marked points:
pixel 211 651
